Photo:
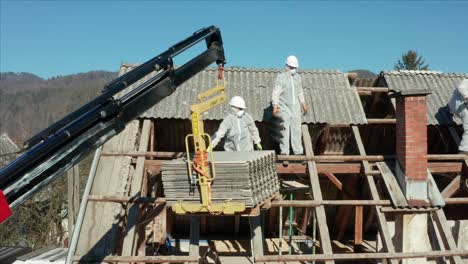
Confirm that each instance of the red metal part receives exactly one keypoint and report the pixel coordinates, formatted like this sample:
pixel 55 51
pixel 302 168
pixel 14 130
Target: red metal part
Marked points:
pixel 5 210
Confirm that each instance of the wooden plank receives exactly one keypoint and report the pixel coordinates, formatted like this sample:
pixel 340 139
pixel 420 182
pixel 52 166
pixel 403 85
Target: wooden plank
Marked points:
pixel 444 167
pixel 381 220
pixel 73 193
pixel 356 256
pixel 317 195
pixel 334 180
pixel 397 196
pixel 346 168
pixel 129 244
pixel 194 249
pixel 125 199
pixel 358 215
pixel 434 195
pixel 141 259
pixel 256 236
pixel 111 178
pixel 373 158
pixel 446 233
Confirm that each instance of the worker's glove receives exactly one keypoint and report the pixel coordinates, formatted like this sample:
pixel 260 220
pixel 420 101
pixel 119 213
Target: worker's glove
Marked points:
pixel 209 148
pixel 259 146
pixel 275 111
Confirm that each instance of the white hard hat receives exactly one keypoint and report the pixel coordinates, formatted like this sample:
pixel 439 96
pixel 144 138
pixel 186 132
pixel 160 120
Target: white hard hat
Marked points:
pixel 238 102
pixel 292 61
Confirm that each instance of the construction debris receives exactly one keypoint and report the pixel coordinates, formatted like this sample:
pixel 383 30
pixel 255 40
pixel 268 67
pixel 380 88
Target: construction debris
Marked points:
pixel 248 177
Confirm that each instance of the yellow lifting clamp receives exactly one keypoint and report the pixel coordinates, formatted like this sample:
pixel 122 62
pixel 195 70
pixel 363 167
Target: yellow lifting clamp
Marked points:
pixel 199 169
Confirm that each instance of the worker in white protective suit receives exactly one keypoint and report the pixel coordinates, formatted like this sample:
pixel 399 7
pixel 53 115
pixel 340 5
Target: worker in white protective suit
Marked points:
pixel 287 100
pixel 458 105
pixel 239 129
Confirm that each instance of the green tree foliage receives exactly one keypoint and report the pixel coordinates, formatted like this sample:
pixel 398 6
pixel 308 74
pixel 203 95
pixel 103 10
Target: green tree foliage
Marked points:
pixel 411 61
pixel 29 104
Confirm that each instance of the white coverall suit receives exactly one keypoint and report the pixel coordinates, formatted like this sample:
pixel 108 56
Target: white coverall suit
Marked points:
pixel 458 107
pixel 288 95
pixel 241 133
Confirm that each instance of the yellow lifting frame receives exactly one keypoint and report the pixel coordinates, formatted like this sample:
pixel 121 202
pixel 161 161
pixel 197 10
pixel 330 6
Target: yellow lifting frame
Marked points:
pixel 200 164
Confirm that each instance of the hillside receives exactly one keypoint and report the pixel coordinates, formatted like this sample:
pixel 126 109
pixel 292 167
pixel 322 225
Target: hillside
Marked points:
pixel 29 103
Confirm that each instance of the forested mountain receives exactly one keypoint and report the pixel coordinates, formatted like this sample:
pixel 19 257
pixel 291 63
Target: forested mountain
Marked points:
pixel 29 103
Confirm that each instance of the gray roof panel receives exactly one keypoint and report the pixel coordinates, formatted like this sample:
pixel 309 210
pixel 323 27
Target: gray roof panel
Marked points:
pixel 440 84
pixel 328 93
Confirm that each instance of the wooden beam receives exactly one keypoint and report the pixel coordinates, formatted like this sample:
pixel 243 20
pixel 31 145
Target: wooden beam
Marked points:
pixel 317 195
pixel 378 202
pixel 141 259
pixel 344 168
pixel 334 180
pixel 149 154
pixel 194 249
pixel 256 236
pixel 394 189
pixel 73 182
pixel 446 234
pixel 125 199
pixel 452 188
pixel 444 167
pixel 381 121
pixel 373 89
pixel 358 215
pixel 381 220
pixel 356 256
pixel 372 158
pixel 130 246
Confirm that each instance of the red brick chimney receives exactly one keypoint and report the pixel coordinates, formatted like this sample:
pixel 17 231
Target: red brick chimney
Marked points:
pixel 411 149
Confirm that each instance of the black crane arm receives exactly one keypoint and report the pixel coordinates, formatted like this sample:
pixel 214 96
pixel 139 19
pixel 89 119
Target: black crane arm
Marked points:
pixel 59 147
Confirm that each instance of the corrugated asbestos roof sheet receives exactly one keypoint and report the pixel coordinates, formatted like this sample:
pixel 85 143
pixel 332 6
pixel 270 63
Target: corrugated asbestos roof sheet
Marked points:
pixel 7 146
pixel 53 255
pixel 327 93
pixel 9 254
pixel 440 84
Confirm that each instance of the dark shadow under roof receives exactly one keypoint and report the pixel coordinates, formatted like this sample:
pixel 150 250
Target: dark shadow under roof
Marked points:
pixel 440 84
pixel 328 93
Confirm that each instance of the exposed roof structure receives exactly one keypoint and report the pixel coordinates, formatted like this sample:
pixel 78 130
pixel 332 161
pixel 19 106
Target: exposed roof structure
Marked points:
pixel 7 146
pixel 440 84
pixel 329 94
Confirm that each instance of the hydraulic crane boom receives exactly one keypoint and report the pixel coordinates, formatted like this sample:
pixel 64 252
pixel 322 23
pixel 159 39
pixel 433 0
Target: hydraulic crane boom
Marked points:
pixel 59 147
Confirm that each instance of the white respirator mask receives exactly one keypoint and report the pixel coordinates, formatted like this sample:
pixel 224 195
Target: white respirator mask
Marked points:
pixel 238 112
pixel 292 71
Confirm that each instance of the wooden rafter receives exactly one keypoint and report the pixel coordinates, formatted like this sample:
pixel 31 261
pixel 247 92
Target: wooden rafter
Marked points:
pixel 317 195
pixel 381 220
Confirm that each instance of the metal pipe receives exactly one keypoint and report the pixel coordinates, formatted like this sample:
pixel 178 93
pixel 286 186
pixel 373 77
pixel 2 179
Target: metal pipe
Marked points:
pixel 84 201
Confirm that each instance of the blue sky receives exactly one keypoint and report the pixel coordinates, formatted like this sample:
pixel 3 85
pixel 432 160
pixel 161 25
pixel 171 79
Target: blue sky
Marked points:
pixel 50 38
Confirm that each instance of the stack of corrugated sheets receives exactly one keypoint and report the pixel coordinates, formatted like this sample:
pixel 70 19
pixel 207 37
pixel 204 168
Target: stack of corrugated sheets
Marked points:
pixel 248 177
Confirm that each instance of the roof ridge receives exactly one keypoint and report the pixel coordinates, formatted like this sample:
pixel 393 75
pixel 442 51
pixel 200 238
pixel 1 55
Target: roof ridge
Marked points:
pixel 425 72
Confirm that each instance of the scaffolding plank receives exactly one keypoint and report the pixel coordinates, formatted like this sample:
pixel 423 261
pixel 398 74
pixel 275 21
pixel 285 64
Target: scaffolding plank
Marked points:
pixel 317 195
pixel 445 233
pixel 397 196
